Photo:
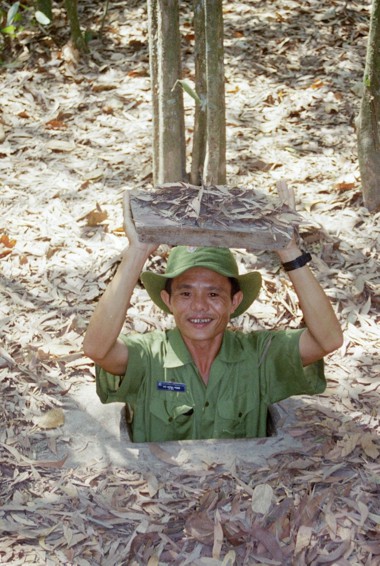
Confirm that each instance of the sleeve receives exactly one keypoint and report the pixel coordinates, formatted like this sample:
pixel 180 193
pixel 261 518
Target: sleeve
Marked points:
pixel 115 388
pixel 284 374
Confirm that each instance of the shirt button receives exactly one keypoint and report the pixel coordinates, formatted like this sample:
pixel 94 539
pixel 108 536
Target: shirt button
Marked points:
pixel 207 404
pixel 170 419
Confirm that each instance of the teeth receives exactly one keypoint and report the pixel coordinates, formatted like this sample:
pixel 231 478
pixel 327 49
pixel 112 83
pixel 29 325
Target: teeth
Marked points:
pixel 200 320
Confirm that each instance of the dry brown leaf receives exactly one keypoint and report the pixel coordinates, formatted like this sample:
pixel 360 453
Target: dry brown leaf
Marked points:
pixel 96 217
pixel 54 418
pixel 369 447
pixel 270 542
pixel 349 443
pixel 200 527
pixel 218 536
pixel 60 146
pixel 6 245
pixel 152 483
pixel 303 539
pixel 162 454
pixel 55 125
pixel 331 522
pixel 262 498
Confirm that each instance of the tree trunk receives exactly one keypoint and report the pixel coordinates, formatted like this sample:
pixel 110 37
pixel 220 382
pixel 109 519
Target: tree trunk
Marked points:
pixel 215 161
pixel 369 117
pixel 169 152
pixel 209 140
pixel 76 34
pixel 153 63
pixel 199 136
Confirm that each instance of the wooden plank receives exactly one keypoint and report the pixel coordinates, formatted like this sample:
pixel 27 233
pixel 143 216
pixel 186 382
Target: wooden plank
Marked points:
pixel 183 214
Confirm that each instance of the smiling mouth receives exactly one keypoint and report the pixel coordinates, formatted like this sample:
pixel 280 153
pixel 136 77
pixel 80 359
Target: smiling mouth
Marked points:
pixel 200 320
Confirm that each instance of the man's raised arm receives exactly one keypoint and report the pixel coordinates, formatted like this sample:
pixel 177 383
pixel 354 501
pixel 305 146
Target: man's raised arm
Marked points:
pixel 101 342
pixel 323 332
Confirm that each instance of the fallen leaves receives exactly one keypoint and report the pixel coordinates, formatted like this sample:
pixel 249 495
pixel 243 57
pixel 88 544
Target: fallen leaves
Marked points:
pixel 351 441
pixel 73 137
pixel 6 245
pixel 177 515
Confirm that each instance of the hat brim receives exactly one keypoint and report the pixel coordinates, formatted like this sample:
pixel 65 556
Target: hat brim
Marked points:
pixel 250 284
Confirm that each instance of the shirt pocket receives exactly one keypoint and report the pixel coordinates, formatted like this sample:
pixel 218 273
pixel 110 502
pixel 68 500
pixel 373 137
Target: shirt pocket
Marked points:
pixel 171 419
pixel 233 417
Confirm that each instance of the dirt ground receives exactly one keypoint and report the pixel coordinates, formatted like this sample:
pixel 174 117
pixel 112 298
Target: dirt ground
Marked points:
pixel 74 135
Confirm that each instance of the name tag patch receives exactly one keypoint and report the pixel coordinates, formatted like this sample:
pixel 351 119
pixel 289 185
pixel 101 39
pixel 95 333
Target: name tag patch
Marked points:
pixel 171 386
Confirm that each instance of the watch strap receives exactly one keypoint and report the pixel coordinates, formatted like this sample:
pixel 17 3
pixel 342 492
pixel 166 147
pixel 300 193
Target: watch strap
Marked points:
pixel 298 262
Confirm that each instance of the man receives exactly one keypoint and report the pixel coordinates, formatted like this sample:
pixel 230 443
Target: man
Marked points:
pixel 200 380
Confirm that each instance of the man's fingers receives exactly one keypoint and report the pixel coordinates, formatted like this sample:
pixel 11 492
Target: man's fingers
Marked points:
pixel 128 222
pixel 286 194
pixel 127 205
pixel 130 228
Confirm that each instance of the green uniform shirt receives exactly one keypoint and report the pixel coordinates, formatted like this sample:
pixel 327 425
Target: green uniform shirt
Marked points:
pixel 170 401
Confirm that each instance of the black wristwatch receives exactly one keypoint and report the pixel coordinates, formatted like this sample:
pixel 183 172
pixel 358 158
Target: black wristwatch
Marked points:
pixel 300 261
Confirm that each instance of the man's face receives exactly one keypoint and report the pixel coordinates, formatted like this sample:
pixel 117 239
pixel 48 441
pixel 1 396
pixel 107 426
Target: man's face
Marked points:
pixel 201 303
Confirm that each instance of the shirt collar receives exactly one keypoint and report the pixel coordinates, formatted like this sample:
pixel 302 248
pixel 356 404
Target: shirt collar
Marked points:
pixel 178 355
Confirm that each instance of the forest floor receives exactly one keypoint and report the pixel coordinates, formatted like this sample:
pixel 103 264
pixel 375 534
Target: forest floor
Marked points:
pixel 74 135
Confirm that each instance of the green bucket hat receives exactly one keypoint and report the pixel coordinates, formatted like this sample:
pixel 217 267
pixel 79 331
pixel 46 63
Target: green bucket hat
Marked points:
pixel 221 260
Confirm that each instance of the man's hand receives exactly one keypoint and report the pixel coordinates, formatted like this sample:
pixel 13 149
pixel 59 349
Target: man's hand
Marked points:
pixel 287 196
pixel 130 230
